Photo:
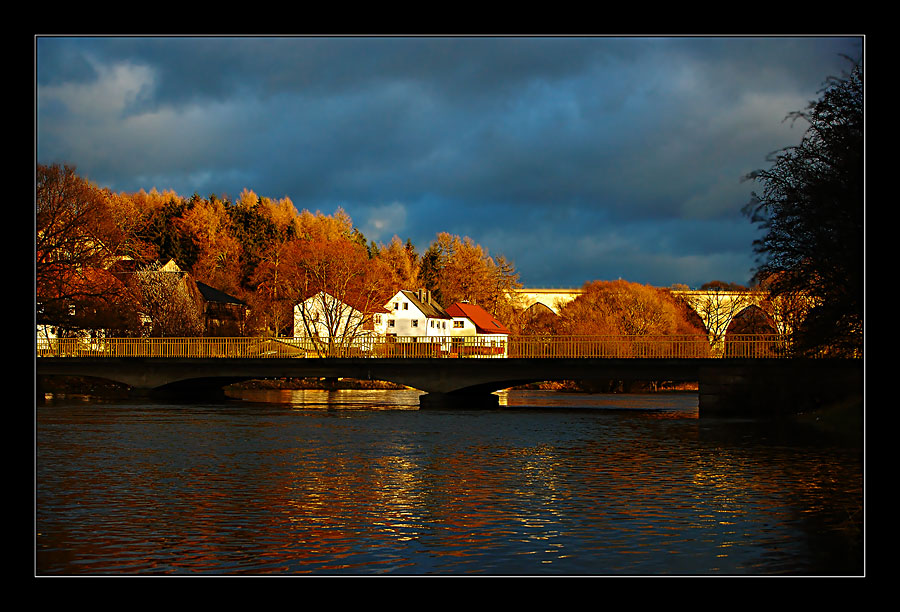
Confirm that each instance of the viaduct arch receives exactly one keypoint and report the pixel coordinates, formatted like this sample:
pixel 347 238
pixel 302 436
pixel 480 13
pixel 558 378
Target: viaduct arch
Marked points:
pixel 716 308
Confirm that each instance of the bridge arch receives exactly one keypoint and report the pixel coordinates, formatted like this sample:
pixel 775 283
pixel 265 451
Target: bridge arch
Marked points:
pixel 552 299
pixel 752 320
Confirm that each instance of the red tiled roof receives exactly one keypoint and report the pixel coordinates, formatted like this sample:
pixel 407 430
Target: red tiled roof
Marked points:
pixel 484 322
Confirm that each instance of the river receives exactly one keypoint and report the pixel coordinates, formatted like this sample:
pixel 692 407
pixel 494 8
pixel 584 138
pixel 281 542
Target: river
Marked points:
pixel 364 483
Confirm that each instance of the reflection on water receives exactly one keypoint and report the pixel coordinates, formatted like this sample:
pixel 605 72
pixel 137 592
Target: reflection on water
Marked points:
pixel 341 399
pixel 362 482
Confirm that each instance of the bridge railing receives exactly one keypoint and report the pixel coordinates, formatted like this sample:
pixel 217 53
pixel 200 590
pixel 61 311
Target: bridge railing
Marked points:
pixel 612 347
pixel 536 347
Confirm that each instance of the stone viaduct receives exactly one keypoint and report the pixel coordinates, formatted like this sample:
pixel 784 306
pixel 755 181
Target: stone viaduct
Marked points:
pixel 716 308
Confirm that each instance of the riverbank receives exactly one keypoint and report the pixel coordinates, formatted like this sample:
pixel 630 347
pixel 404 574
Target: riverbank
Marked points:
pixel 80 385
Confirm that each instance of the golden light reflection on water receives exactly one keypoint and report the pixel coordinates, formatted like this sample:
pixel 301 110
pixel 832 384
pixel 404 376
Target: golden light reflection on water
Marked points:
pixel 318 489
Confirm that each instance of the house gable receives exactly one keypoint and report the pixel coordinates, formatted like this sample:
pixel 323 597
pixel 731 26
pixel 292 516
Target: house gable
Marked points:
pixel 414 313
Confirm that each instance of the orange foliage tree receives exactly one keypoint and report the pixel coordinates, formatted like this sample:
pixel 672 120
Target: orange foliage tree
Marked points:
pixel 276 281
pixel 339 291
pixel 401 262
pixel 623 308
pixel 457 269
pixel 76 241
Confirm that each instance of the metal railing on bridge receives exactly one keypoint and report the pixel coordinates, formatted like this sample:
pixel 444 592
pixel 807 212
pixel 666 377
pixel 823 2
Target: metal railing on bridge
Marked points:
pixel 533 347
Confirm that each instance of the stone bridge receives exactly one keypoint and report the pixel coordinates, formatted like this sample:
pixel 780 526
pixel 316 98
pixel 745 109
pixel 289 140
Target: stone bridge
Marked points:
pixel 727 387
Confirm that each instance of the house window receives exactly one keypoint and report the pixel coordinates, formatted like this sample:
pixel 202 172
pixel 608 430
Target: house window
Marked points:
pixel 458 324
pixel 405 306
pixel 390 322
pixel 432 324
pixel 396 306
pixel 415 322
pixel 378 319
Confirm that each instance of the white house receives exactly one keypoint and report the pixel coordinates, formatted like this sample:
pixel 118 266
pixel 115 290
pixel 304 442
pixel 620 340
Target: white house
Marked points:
pixel 407 320
pixel 414 314
pixel 323 316
pixel 476 331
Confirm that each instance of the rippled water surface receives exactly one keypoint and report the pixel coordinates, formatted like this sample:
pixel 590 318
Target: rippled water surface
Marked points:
pixel 363 482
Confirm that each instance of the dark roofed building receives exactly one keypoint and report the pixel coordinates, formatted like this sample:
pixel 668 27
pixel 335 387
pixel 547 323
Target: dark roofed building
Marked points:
pixel 422 300
pixel 224 315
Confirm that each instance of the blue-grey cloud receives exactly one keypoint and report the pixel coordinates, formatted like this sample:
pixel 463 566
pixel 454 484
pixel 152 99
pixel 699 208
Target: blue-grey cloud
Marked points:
pixel 577 158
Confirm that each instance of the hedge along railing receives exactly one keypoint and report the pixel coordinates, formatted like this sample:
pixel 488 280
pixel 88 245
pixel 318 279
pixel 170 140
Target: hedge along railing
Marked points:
pixel 534 347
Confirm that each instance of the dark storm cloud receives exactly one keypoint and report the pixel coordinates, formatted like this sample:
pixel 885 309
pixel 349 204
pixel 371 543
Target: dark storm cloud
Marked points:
pixel 611 157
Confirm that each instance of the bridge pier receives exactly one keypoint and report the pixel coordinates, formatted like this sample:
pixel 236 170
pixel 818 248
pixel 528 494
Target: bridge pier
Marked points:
pixel 459 400
pixel 777 388
pixel 196 391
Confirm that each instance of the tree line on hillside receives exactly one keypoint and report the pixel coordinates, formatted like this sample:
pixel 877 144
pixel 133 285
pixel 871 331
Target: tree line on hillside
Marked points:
pixel 257 249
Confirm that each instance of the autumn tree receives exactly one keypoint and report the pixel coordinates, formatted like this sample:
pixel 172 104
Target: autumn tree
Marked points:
pixel 169 301
pixel 277 284
pixel 219 264
pixel 339 291
pixel 787 308
pixel 320 227
pixel 811 210
pixel 76 241
pixel 401 262
pixel 129 214
pixel 254 230
pixel 717 303
pixel 630 318
pixel 217 260
pixel 457 269
pixel 622 308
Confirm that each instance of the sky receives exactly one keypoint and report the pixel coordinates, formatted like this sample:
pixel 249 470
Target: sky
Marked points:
pixel 576 158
